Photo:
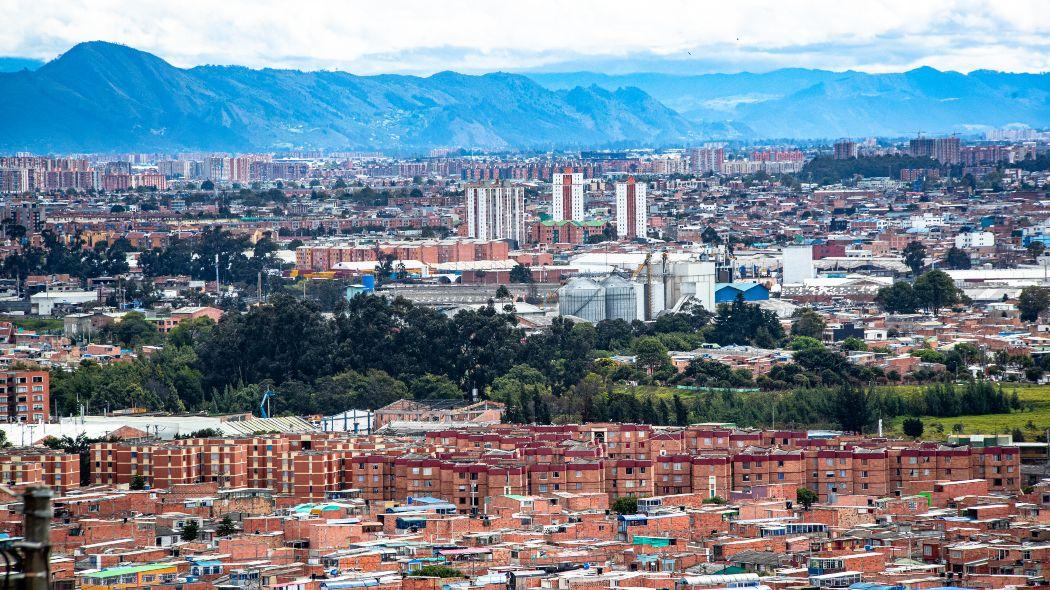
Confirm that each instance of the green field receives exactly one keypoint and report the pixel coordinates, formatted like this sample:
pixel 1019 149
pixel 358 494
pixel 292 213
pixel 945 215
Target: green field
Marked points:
pixel 34 323
pixel 1037 396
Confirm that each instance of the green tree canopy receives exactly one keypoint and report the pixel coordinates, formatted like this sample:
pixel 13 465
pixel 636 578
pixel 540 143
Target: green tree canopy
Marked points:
pixel 1033 301
pixel 914 256
pixel 956 259
pixel 935 290
pixel 808 322
pixel 625 505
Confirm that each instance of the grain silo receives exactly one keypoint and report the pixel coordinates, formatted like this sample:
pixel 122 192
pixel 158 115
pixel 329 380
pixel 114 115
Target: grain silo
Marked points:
pixel 583 298
pixel 621 299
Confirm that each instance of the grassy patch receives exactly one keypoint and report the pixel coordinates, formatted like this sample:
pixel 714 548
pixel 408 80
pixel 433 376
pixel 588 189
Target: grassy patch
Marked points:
pixel 1035 398
pixel 34 323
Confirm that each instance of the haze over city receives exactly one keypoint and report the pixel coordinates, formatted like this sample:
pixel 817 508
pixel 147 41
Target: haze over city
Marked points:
pixel 367 37
pixel 459 295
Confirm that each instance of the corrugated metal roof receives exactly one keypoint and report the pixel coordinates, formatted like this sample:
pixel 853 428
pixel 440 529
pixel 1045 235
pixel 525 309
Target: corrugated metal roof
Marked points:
pixel 281 424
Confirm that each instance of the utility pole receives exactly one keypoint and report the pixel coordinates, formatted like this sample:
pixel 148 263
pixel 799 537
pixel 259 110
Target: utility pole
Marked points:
pixel 217 294
pixel 37 513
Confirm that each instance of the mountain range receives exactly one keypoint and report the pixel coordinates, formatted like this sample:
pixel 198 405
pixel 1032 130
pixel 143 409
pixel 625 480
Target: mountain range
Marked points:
pixel 102 96
pixel 801 104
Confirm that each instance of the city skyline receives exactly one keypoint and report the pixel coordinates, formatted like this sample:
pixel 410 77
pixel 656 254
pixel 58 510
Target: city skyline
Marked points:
pixel 425 38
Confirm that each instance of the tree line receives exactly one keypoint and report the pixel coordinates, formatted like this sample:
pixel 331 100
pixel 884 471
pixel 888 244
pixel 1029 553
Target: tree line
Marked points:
pixel 374 350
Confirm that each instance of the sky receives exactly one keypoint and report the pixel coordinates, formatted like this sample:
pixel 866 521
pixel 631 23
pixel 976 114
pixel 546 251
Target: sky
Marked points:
pixel 610 36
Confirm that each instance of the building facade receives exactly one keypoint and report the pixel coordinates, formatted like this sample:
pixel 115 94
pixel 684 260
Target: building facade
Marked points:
pixel 631 205
pixel 567 195
pixel 496 212
pixel 25 397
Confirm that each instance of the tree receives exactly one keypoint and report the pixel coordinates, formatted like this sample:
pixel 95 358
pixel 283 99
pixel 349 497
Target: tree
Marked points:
pixel 520 274
pixel 681 413
pixel 912 427
pixel 437 571
pixel 502 292
pixel 384 268
pixel 914 256
pixel 853 343
pixel 805 343
pixel 710 236
pixel 132 331
pixel 138 482
pixel 191 332
pixel 15 231
pixel 190 531
pixel 806 497
pixel 1036 249
pixel 650 354
pixel 853 408
pixel 897 298
pixel 808 323
pixel 740 322
pixel 226 527
pixel 1032 302
pixel 935 290
pixel 625 505
pixel 431 386
pixel 956 259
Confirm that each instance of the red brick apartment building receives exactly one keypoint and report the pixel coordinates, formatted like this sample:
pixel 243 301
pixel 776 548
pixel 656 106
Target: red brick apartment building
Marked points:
pixel 25 396
pixel 466 466
pixel 35 466
pixel 325 257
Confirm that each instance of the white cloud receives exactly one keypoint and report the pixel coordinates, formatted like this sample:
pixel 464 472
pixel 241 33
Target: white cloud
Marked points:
pixel 423 36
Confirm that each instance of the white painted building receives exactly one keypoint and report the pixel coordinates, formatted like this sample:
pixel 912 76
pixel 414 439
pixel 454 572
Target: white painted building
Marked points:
pixel 977 239
pixel 495 212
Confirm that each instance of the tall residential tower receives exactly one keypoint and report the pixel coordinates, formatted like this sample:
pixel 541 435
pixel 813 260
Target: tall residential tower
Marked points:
pixel 567 195
pixel 496 212
pixel 631 209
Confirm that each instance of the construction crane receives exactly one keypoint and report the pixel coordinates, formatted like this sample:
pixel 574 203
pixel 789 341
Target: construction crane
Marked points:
pixel 264 405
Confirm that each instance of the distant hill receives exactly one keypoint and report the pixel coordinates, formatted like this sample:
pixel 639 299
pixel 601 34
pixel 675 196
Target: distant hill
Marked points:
pixel 798 103
pixel 15 64
pixel 105 97
pixel 101 96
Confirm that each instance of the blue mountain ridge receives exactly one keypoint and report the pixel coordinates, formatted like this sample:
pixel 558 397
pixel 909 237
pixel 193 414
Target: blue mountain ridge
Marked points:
pixel 101 96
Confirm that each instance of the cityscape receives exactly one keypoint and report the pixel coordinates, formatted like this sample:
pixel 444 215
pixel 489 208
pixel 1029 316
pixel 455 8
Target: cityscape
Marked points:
pixel 696 299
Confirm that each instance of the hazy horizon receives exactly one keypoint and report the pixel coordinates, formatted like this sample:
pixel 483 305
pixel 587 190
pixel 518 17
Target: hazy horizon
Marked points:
pixel 671 37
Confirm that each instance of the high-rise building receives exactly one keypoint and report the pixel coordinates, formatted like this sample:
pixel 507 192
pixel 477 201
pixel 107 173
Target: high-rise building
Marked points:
pixel 943 149
pixel 705 160
pixel 567 195
pixel 175 169
pixel 496 212
pixel 16 180
pixel 216 169
pixel 631 204
pixel 29 214
pixel 845 149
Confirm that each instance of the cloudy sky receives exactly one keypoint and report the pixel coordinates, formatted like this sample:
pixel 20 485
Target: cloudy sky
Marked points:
pixel 614 36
